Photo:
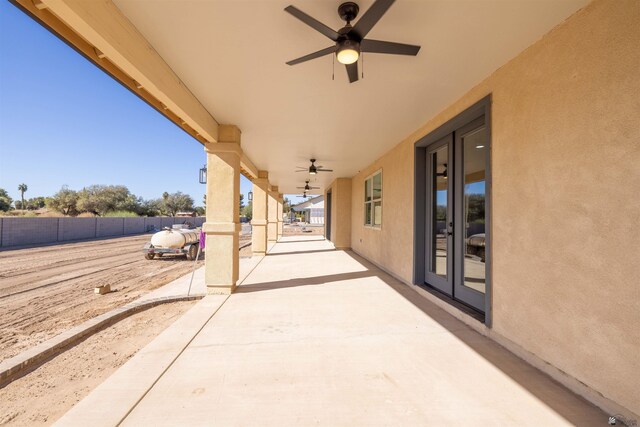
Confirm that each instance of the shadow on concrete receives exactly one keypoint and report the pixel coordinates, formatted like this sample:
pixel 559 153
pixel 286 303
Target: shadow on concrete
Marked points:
pixel 563 401
pixel 303 281
pixel 301 252
pixel 319 239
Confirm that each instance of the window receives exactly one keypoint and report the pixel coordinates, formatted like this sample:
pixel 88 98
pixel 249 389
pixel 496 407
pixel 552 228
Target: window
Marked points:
pixel 373 200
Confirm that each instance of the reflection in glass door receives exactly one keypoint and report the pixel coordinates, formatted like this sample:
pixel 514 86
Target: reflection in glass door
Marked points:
pixel 439 266
pixel 474 205
pixel 455 261
pixel 470 259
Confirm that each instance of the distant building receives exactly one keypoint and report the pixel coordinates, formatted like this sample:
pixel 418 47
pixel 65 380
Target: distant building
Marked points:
pixel 313 210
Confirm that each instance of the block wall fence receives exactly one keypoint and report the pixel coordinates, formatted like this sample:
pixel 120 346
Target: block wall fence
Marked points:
pixel 32 231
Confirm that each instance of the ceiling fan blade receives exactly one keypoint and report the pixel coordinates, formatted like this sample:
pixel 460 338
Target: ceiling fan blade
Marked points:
pixel 324 170
pixel 313 23
pixel 371 18
pixel 303 170
pixel 378 46
pixel 352 71
pixel 313 55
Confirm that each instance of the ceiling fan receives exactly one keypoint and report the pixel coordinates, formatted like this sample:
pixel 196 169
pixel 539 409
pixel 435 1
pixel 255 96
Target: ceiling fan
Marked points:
pixel 350 40
pixel 307 187
pixel 444 173
pixel 313 169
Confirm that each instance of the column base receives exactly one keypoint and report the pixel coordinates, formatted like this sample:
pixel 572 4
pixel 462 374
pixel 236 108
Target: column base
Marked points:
pixel 221 289
pixel 222 257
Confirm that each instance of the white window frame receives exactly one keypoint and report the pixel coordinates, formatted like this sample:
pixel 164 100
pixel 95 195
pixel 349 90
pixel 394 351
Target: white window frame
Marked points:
pixel 371 203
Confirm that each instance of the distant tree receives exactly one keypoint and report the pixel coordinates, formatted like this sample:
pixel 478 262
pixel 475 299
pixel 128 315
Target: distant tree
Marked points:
pixel 247 211
pixel 204 201
pixel 100 199
pixel 286 205
pixel 22 188
pixel 200 211
pixel 241 202
pixel 64 201
pixel 177 202
pixel 18 205
pixel 152 207
pixel 475 208
pixel 165 195
pixel 5 200
pixel 35 203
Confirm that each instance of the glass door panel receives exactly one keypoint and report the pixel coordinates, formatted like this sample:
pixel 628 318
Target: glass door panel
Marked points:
pixel 439 262
pixel 474 210
pixel 440 208
pixel 470 264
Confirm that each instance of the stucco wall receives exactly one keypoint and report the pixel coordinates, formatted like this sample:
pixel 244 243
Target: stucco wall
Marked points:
pixel 566 205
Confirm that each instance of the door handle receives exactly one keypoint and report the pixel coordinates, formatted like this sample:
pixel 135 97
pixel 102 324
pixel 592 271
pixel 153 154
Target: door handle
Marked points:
pixel 450 229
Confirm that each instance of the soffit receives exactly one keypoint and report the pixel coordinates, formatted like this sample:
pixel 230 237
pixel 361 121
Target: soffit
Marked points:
pixel 231 54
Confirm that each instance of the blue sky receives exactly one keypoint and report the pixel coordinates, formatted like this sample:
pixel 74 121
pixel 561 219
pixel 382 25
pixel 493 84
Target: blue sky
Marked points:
pixel 65 122
pixel 473 188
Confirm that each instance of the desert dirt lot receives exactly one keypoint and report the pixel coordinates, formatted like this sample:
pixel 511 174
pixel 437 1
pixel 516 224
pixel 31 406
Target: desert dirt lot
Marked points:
pixel 47 393
pixel 49 289
pixel 299 229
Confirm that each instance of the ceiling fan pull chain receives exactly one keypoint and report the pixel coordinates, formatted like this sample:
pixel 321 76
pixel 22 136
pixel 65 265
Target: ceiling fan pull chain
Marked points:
pixel 362 56
pixel 333 68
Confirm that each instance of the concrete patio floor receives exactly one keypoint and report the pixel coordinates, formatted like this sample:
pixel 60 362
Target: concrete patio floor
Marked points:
pixel 317 336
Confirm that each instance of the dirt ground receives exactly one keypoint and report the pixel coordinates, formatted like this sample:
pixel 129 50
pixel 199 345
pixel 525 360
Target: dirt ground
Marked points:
pixel 47 393
pixel 49 289
pixel 302 229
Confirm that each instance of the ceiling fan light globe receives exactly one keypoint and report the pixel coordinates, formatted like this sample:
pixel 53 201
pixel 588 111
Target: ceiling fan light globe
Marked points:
pixel 347 56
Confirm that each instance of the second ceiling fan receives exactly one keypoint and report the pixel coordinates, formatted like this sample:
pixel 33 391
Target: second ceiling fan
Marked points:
pixel 307 187
pixel 313 169
pixel 350 40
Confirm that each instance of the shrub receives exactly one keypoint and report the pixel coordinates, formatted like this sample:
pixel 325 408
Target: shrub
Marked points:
pixel 120 214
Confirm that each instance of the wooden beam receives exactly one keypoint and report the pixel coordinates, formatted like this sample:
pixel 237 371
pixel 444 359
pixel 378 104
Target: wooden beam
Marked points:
pixel 39 5
pixel 250 170
pixel 99 54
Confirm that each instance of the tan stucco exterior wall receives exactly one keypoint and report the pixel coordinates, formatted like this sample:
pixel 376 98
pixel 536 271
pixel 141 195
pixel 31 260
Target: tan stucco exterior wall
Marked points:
pixel 340 190
pixel 566 199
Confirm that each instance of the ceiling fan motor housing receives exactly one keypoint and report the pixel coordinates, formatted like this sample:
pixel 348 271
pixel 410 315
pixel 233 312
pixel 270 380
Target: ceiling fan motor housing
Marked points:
pixel 348 11
pixel 347 44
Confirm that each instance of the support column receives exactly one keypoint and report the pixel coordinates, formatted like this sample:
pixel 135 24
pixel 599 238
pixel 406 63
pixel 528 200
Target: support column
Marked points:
pixel 222 225
pixel 272 215
pixel 259 219
pixel 337 208
pixel 280 214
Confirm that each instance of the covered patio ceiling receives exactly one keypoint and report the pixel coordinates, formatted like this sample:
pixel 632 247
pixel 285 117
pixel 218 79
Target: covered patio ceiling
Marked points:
pixel 231 54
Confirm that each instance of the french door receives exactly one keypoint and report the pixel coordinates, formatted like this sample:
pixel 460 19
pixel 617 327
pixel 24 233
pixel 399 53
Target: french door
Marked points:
pixel 455 252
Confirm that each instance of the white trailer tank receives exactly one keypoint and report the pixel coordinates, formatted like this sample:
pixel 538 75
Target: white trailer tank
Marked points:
pixel 175 238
